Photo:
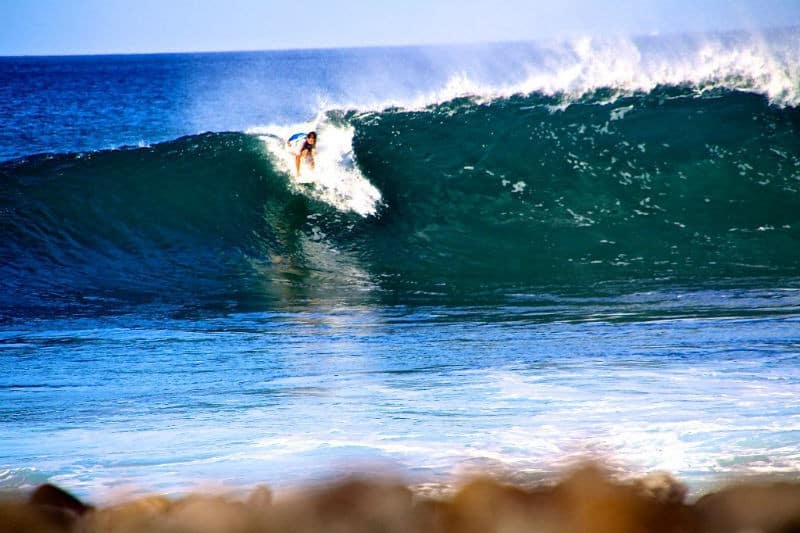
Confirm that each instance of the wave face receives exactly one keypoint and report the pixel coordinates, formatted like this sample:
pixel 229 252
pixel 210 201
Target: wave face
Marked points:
pixel 658 186
pixel 520 195
pixel 175 222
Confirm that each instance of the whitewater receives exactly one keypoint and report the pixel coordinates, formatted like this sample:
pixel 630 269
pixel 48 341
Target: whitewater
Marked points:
pixel 508 257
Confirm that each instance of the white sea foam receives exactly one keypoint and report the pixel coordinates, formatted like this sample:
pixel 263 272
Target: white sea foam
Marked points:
pixel 749 64
pixel 768 65
pixel 336 178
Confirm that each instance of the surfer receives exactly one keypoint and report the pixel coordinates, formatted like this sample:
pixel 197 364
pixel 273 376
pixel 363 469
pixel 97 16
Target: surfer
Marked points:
pixel 303 145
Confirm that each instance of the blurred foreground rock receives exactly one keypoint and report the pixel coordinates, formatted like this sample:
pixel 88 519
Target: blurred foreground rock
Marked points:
pixel 586 500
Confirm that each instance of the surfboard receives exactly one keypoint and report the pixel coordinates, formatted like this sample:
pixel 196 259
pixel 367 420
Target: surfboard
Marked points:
pixel 296 137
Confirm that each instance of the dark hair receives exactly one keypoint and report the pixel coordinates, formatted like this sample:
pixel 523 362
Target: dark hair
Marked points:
pixel 307 145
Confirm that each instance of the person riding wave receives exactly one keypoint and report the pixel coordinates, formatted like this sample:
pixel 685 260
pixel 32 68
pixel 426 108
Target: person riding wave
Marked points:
pixel 303 146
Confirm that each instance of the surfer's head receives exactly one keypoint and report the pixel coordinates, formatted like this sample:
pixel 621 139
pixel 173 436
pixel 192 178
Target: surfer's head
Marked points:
pixel 311 138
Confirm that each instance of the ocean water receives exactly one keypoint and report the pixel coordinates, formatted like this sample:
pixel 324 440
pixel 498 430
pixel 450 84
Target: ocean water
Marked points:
pixel 508 257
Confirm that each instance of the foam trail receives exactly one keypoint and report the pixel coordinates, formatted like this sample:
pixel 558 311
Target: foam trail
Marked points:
pixel 336 178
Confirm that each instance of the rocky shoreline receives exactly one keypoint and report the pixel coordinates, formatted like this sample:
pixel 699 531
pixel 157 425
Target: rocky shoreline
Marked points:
pixel 585 500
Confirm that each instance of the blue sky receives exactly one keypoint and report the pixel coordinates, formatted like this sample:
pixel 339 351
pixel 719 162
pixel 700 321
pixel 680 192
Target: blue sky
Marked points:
pixel 142 26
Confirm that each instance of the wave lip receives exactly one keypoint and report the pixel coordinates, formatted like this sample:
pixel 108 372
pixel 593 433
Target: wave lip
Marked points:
pixel 766 64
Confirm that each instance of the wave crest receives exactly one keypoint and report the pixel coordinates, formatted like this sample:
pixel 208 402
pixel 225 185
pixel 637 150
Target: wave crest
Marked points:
pixel 571 70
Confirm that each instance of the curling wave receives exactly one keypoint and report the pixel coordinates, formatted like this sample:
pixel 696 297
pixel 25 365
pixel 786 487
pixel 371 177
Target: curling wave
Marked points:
pixel 460 199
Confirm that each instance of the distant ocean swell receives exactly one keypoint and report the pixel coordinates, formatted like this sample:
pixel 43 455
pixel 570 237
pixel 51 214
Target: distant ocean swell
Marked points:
pixel 519 193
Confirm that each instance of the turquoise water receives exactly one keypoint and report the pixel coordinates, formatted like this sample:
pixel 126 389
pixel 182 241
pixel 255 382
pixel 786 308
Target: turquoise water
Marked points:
pixel 106 406
pixel 595 253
